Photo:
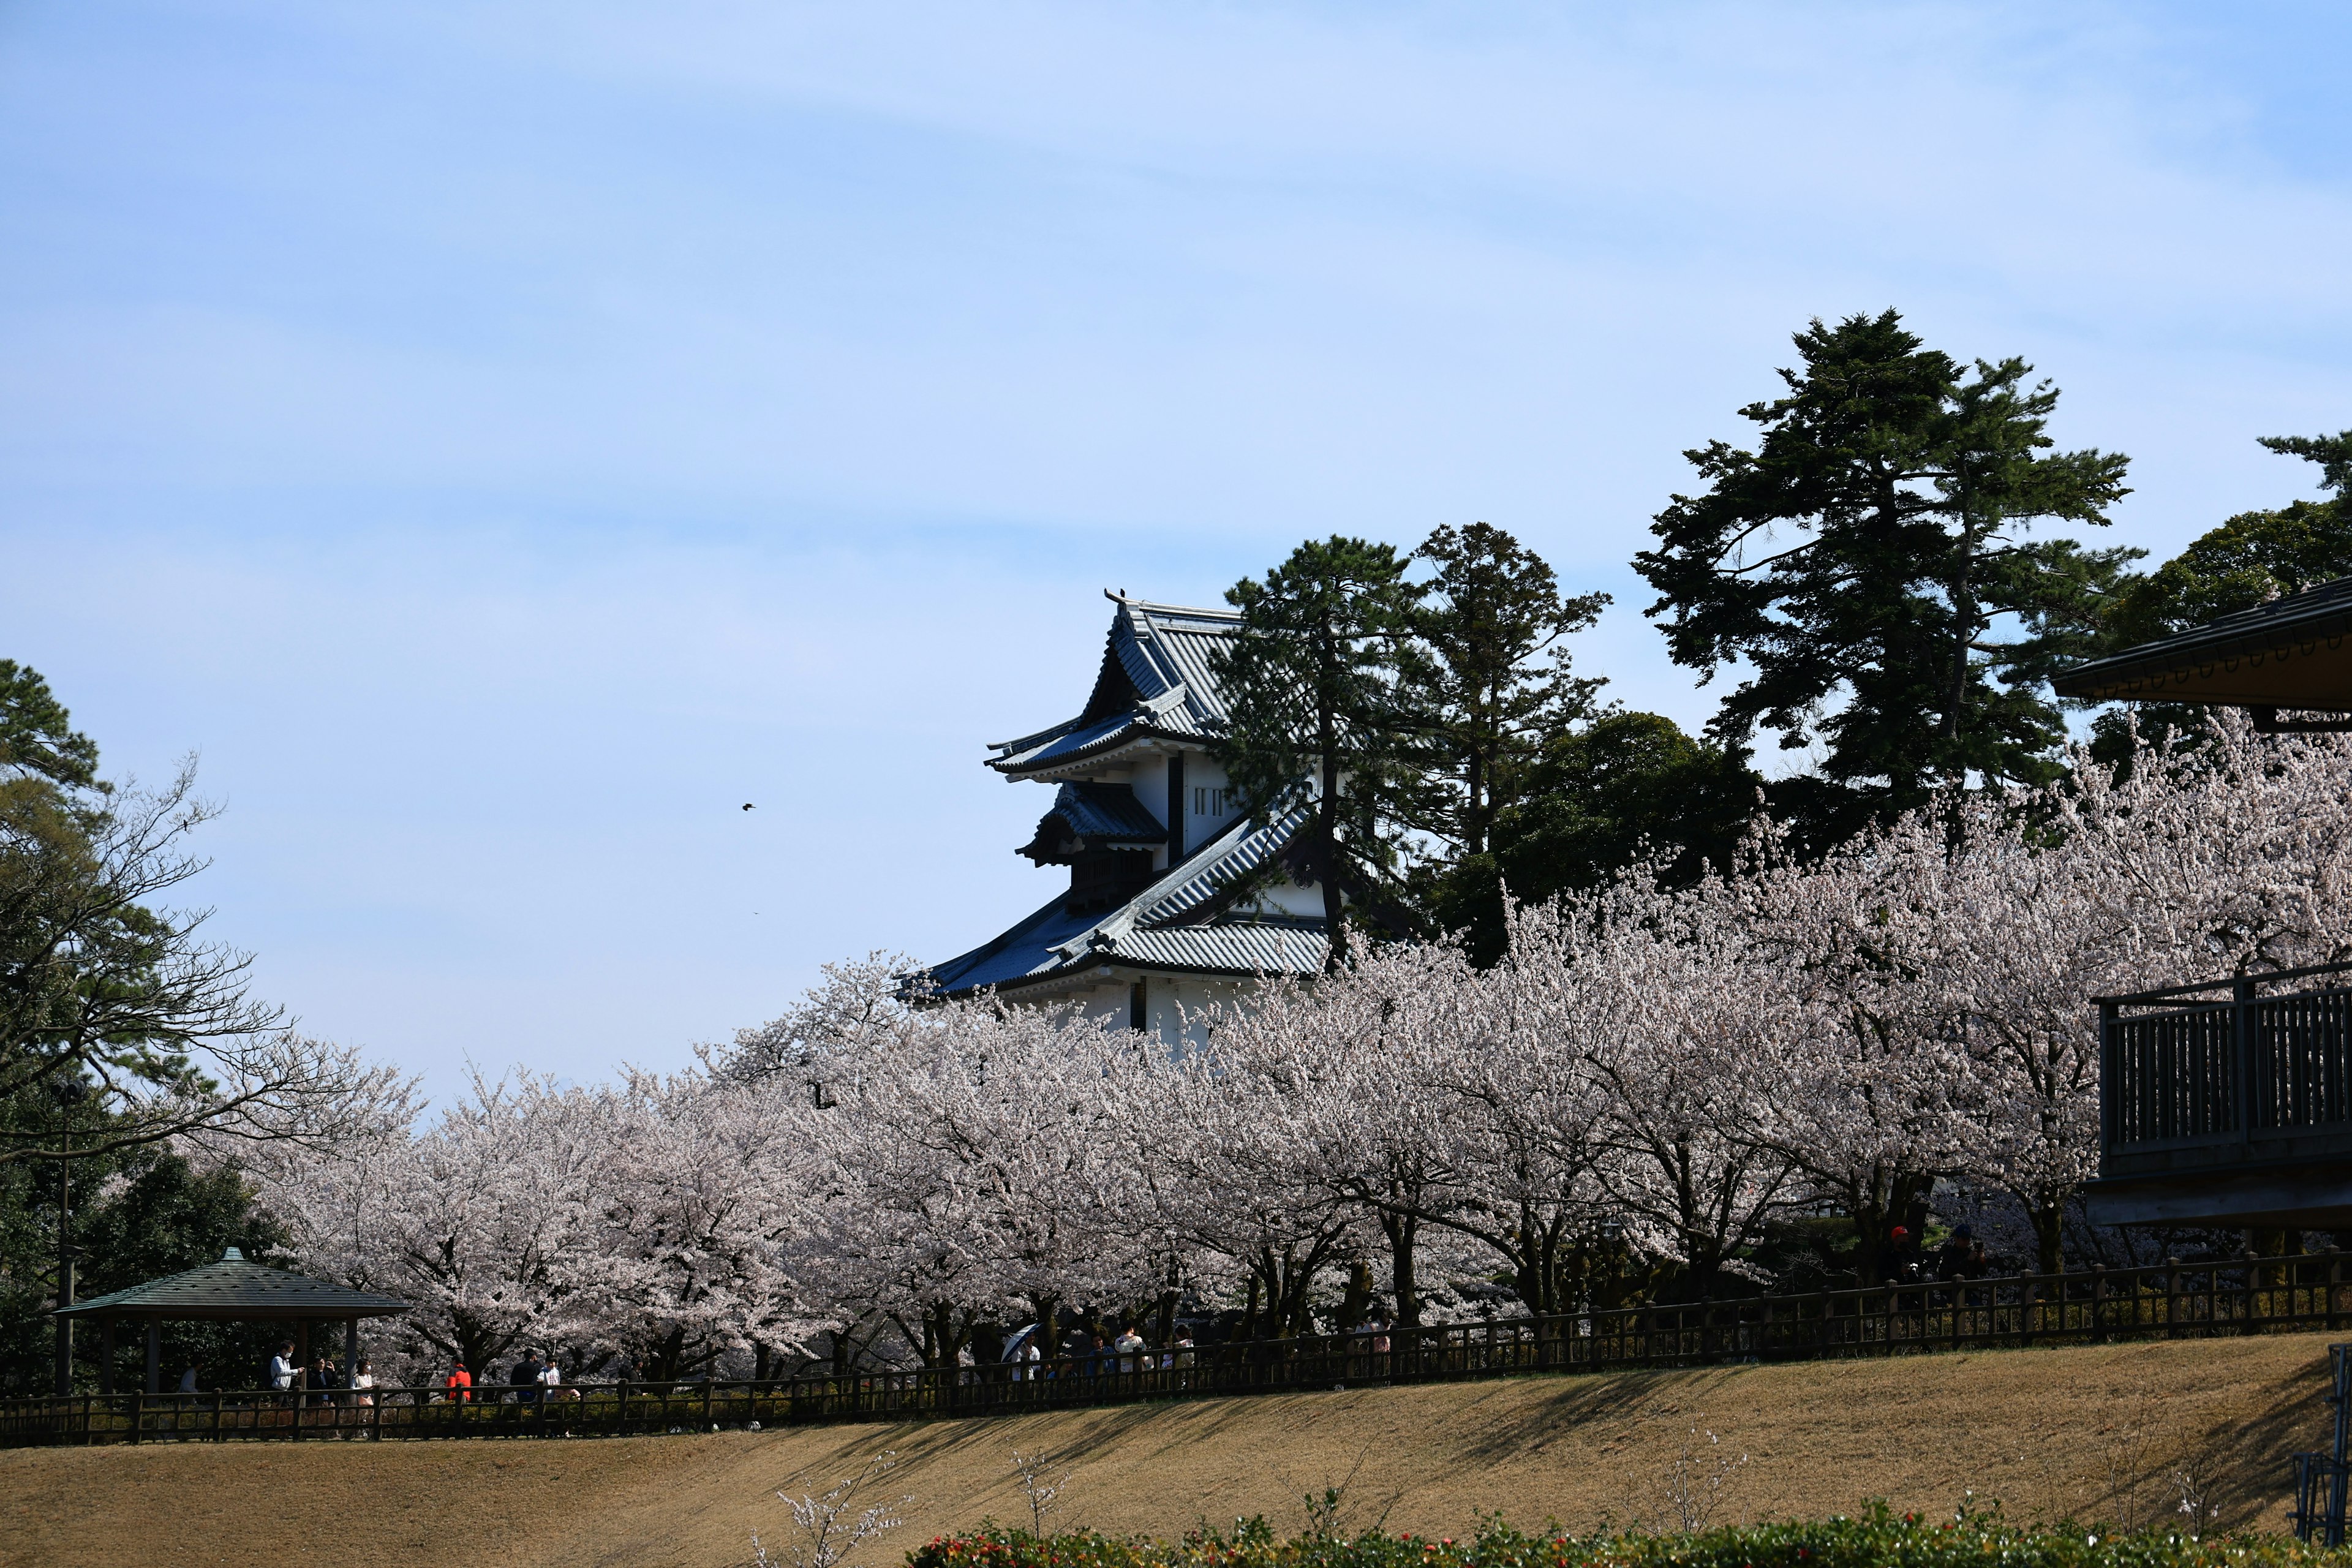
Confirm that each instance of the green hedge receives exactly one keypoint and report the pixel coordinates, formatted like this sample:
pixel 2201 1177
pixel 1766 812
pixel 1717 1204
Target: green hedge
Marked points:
pixel 1880 1539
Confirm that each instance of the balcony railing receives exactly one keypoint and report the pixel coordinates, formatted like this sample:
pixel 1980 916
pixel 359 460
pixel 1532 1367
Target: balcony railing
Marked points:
pixel 2233 1070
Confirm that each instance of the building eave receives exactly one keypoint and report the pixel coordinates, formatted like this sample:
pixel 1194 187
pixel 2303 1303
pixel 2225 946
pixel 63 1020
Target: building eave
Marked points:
pixel 2292 653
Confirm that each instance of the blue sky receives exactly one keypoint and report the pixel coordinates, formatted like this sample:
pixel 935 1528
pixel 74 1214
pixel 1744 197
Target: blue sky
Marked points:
pixel 503 437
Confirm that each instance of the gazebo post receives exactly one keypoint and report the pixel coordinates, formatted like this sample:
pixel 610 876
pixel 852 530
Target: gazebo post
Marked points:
pixel 351 1349
pixel 301 1354
pixel 106 1354
pixel 154 1355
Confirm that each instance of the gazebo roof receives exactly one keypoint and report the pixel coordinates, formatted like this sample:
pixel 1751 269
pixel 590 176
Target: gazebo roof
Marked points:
pixel 237 1288
pixel 2294 652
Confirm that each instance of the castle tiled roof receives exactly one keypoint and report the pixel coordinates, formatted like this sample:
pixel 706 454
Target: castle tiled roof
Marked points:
pixel 1089 816
pixel 1184 921
pixel 1157 681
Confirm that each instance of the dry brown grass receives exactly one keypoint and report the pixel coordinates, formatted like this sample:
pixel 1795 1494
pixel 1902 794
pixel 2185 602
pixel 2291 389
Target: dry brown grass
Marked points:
pixel 2091 1431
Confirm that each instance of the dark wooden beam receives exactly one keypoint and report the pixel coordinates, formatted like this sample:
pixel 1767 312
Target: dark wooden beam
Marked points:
pixel 1175 807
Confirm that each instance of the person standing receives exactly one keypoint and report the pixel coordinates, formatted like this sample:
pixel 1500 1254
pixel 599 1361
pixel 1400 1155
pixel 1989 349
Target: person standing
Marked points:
pixel 460 1384
pixel 281 1368
pixel 363 1384
pixel 528 1378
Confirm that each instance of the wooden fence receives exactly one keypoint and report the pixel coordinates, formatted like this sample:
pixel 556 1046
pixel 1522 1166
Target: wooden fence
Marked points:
pixel 2242 1295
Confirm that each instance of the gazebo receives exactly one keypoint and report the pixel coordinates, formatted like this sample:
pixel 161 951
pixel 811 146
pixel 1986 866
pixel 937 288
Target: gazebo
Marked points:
pixel 2225 1103
pixel 236 1290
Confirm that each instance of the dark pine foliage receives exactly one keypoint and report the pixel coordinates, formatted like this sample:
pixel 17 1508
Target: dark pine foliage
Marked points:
pixel 1866 566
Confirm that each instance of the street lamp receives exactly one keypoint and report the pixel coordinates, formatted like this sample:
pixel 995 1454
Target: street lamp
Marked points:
pixel 70 1091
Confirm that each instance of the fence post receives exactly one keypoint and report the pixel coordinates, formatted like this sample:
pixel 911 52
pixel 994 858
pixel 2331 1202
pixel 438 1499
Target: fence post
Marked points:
pixel 2111 1101
pixel 2241 1018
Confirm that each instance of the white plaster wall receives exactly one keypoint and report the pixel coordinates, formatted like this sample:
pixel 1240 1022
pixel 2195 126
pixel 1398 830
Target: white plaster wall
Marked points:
pixel 1172 1005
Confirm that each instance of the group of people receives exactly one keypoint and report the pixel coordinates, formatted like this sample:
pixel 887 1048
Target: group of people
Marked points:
pixel 1096 1353
pixel 532 1379
pixel 316 1384
pixel 1961 1257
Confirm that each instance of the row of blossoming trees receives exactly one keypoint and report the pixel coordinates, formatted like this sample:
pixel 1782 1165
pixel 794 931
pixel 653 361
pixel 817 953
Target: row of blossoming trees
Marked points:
pixel 1648 1079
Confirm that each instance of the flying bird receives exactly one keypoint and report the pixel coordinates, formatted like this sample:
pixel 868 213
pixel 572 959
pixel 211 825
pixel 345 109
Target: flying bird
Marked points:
pixel 746 805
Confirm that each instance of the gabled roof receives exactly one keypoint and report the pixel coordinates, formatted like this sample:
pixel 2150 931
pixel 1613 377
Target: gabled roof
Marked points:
pixel 1089 816
pixel 2290 653
pixel 237 1288
pixel 1185 921
pixel 1157 681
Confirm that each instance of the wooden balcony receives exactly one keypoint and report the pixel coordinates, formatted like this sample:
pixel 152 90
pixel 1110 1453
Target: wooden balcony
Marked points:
pixel 2227 1103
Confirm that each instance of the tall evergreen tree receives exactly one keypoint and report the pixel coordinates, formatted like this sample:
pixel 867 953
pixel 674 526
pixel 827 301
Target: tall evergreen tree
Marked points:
pixel 1868 566
pixel 1489 695
pixel 1315 687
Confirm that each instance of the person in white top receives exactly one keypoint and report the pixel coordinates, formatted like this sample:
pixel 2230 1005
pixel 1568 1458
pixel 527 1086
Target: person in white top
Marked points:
pixel 363 1381
pixel 1128 1344
pixel 553 1376
pixel 281 1368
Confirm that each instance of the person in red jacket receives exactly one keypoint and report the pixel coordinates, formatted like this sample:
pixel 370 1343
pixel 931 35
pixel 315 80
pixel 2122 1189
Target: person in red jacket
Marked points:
pixel 459 1383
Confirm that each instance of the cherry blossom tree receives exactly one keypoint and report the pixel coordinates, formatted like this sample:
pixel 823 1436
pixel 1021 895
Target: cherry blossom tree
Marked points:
pixel 1675 1007
pixel 991 1171
pixel 486 1223
pixel 702 1197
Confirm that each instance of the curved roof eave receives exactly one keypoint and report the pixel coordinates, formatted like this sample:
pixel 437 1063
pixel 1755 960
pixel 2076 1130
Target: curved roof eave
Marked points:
pixel 2290 653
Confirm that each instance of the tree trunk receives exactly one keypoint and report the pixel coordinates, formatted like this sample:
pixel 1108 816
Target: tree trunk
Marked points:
pixel 1401 1230
pixel 2049 1238
pixel 1047 1336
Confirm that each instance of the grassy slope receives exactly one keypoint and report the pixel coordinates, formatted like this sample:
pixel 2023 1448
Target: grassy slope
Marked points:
pixel 2045 1431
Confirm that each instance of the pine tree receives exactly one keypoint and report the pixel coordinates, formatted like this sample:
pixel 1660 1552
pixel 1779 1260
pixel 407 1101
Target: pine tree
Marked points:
pixel 1315 690
pixel 1867 565
pixel 1488 697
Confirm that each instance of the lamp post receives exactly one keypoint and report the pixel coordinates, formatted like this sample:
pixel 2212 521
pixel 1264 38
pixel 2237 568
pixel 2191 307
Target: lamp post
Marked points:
pixel 70 1092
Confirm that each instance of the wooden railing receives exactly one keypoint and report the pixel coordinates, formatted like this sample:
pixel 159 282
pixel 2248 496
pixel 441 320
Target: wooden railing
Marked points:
pixel 2223 1062
pixel 2242 1296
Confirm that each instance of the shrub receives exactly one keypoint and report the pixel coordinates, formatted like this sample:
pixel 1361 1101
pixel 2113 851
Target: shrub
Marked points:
pixel 1878 1539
